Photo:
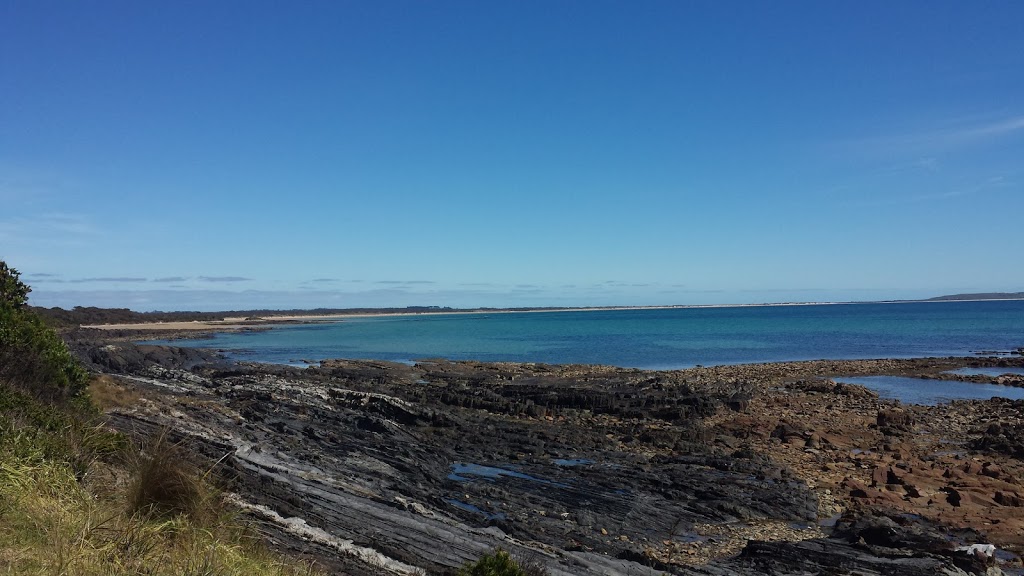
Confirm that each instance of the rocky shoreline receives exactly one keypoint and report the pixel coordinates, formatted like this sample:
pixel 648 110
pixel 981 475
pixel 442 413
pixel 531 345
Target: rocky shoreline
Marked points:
pixel 371 467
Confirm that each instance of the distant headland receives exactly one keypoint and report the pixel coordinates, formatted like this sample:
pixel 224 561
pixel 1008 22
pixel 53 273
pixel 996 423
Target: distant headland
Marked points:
pixel 979 296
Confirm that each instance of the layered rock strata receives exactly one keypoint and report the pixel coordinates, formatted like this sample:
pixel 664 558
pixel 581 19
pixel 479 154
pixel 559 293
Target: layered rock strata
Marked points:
pixel 371 467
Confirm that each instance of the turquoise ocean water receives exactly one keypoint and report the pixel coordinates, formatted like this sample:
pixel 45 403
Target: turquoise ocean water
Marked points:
pixel 658 339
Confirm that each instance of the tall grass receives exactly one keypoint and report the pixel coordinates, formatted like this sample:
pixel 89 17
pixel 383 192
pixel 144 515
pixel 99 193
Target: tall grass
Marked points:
pixel 77 499
pixel 165 482
pixel 49 524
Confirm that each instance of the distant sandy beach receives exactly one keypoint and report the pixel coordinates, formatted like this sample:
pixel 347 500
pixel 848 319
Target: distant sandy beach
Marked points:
pixel 212 325
pixel 243 323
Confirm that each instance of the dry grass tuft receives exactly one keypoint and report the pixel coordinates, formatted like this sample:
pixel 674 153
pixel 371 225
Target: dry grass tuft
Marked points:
pixel 66 509
pixel 165 482
pixel 106 393
pixel 50 525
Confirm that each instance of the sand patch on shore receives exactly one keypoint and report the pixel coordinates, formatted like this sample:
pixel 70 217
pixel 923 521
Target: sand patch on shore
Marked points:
pixel 226 324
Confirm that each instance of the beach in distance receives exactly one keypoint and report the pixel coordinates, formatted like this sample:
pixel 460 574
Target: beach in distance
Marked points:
pixel 653 338
pixel 231 320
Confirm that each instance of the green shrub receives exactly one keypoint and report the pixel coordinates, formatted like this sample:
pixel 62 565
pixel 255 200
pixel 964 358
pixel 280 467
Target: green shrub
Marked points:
pixel 13 292
pixel 501 563
pixel 33 358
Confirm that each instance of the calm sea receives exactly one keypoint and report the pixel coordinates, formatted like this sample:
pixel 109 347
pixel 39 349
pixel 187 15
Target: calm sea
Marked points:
pixel 659 339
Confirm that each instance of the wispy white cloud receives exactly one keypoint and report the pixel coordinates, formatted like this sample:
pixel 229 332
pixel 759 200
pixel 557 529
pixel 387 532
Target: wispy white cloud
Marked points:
pixel 53 228
pixel 922 164
pixel 692 291
pixel 623 284
pixel 993 183
pixel 986 186
pixel 924 144
pixel 1004 126
pixel 224 279
pixel 108 279
pixel 24 186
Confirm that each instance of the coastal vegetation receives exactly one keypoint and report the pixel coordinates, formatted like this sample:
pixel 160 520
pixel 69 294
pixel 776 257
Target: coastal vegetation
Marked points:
pixel 77 498
pixel 501 563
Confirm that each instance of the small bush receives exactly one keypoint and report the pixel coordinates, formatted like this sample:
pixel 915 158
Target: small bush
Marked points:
pixel 13 292
pixel 501 563
pixel 33 358
pixel 165 482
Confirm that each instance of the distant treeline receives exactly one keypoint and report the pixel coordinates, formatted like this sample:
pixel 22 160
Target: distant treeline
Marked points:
pixel 982 296
pixel 88 315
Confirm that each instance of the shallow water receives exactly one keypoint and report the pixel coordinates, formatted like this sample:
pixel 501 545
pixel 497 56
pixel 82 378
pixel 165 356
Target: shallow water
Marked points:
pixel 931 392
pixel 471 508
pixel 656 339
pixel 467 472
pixel 572 461
pixel 986 371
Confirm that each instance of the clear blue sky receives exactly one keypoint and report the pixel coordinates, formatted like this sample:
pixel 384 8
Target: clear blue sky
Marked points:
pixel 211 155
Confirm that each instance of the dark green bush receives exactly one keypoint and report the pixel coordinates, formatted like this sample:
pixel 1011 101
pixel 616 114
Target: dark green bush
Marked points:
pixel 33 358
pixel 13 292
pixel 501 563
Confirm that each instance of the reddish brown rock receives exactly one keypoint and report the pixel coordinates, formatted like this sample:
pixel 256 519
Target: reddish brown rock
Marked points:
pixel 1008 499
pixel 894 419
pixel 991 470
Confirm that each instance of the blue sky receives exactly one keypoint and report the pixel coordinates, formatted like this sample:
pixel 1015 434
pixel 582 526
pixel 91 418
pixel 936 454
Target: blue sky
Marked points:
pixel 211 155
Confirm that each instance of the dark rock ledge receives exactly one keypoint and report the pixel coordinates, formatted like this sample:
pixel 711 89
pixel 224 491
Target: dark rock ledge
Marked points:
pixel 370 467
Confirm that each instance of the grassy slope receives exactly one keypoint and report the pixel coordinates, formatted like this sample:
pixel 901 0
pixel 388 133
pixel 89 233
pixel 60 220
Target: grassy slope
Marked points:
pixel 79 500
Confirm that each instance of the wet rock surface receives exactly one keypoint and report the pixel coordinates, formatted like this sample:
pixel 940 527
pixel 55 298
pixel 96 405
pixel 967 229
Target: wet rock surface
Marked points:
pixel 372 467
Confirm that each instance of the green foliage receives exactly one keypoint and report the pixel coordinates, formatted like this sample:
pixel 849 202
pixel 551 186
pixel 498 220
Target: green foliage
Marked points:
pixel 13 292
pixel 35 432
pixel 33 358
pixel 501 563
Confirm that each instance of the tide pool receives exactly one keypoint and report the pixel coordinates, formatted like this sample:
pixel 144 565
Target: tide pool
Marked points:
pixel 930 392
